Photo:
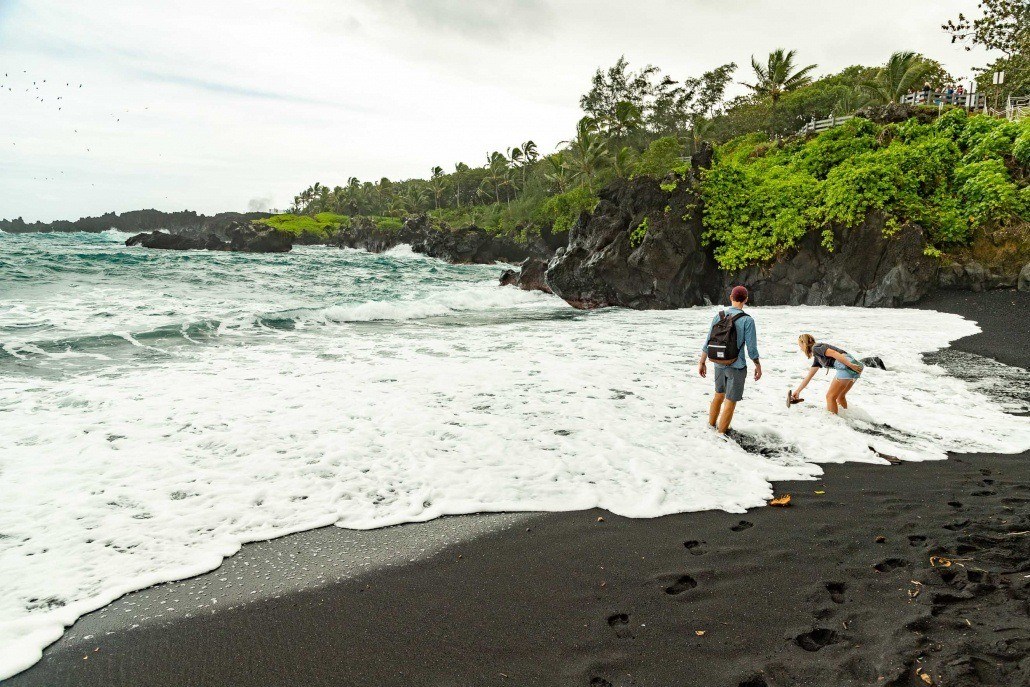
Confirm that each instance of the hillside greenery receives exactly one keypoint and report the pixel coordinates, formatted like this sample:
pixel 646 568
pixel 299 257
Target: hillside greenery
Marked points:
pixel 957 177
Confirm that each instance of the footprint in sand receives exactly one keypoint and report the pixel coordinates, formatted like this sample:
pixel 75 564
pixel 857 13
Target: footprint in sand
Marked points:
pixel 695 547
pixel 816 639
pixel 683 584
pixel 742 525
pixel 754 681
pixel 619 622
pixel 985 492
pixel 916 539
pixel 599 682
pixel 956 526
pixel 836 590
pixel 889 564
pixel 955 504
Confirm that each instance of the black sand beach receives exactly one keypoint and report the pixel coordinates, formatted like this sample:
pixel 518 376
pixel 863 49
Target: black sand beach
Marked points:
pixel 917 574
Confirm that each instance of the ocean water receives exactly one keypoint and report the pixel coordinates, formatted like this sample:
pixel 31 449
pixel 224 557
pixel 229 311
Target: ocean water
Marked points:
pixel 159 408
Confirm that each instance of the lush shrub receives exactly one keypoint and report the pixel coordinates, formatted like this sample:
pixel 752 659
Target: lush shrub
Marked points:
pixel 636 237
pixel 563 209
pixel 320 226
pixel 952 177
pixel 1021 147
pixel 662 156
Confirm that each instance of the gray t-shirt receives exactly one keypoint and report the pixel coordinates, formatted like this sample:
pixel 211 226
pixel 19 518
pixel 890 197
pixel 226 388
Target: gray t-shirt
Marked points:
pixel 819 357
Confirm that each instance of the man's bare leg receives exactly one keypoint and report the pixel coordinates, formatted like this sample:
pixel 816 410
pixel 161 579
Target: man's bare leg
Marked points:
pixel 713 410
pixel 727 416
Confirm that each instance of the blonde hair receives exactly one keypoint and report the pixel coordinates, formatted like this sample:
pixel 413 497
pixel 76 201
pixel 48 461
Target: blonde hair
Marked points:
pixel 807 343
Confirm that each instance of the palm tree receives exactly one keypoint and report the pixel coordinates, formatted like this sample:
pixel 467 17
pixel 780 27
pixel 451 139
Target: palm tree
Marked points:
pixel 903 72
pixel 626 118
pixel 437 183
pixel 622 163
pixel 460 168
pixel 496 174
pixel 587 151
pixel 778 75
pixel 558 171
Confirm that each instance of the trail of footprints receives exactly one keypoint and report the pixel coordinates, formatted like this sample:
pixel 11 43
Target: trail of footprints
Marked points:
pixel 821 637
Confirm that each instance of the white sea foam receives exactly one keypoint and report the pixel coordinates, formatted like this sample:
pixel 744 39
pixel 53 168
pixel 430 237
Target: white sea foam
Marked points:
pixel 156 468
pixel 474 298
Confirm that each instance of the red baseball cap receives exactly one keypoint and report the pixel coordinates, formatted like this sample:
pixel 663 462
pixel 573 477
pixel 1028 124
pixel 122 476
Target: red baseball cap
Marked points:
pixel 738 294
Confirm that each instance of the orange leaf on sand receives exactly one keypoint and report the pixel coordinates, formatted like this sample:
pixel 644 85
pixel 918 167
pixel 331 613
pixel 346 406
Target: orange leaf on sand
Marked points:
pixel 781 501
pixel 699 633
pixel 940 562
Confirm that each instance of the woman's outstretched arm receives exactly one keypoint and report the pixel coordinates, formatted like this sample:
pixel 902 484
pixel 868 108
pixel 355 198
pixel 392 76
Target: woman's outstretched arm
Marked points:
pixel 811 373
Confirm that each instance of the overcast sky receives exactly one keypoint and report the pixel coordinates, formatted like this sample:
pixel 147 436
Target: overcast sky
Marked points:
pixel 231 105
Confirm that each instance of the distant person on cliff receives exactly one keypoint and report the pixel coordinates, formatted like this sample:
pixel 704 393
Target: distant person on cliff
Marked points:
pixel 731 331
pixel 826 356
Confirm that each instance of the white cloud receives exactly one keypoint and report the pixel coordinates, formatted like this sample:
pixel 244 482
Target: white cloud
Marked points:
pixel 203 105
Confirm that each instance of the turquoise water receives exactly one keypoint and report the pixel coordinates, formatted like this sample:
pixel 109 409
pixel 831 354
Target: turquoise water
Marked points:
pixel 67 298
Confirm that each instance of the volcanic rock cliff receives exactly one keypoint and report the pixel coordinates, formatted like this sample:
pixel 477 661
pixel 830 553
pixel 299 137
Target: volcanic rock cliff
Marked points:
pixel 641 247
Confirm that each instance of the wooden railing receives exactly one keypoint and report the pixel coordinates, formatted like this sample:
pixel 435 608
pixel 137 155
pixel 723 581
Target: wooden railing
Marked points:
pixel 1017 108
pixel 816 125
pixel 971 101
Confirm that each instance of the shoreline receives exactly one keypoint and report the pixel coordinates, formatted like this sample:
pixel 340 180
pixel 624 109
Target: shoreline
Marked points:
pixel 540 598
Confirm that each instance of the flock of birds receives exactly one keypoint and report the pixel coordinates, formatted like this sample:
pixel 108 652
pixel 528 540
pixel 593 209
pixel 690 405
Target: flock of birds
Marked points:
pixel 48 92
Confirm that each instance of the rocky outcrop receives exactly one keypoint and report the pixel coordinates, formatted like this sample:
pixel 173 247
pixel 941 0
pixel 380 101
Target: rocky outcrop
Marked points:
pixel 364 234
pixel 185 221
pixel 1023 283
pixel 243 237
pixel 166 241
pixel 971 275
pixel 531 276
pixel 461 245
pixel 639 248
pixel 865 268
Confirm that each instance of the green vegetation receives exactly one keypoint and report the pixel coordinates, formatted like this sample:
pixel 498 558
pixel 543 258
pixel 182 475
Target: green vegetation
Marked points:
pixel 636 237
pixel 958 177
pixel 320 225
pixel 954 177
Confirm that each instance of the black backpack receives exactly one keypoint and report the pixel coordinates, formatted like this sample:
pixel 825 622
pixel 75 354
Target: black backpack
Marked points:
pixel 722 343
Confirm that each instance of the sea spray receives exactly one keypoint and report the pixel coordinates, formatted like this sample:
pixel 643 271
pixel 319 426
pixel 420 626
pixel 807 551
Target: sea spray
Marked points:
pixel 272 394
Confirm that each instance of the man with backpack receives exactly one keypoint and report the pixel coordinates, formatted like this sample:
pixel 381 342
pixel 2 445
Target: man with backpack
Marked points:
pixel 732 331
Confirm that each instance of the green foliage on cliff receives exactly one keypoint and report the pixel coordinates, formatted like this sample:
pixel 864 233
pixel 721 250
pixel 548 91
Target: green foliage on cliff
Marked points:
pixel 320 225
pixel 636 237
pixel 952 177
pixel 563 209
pixel 662 156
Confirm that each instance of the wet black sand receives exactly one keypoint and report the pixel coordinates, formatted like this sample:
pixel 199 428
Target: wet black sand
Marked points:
pixel 908 575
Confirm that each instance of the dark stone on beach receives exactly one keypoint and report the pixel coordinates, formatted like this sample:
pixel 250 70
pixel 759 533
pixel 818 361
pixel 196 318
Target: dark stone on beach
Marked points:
pixel 243 237
pixel 531 276
pixel 1023 282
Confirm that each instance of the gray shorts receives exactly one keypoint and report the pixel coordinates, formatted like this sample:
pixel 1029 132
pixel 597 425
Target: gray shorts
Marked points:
pixel 730 381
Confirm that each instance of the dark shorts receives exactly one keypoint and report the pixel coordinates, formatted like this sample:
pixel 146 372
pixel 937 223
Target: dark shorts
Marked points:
pixel 730 381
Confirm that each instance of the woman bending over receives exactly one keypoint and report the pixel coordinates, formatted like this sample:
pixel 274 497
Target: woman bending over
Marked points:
pixel 825 356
